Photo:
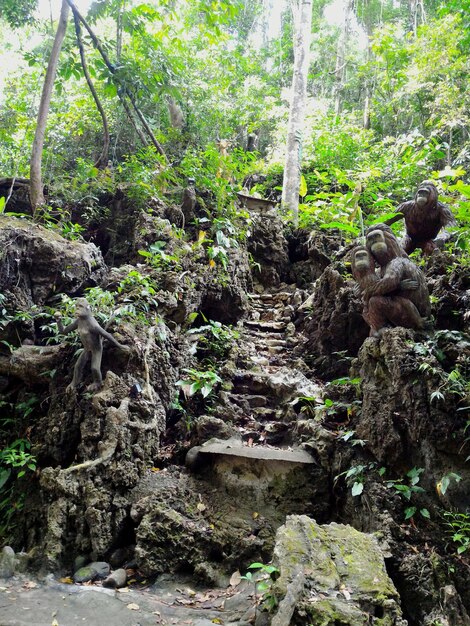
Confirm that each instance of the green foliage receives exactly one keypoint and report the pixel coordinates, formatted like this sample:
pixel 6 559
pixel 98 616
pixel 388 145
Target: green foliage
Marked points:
pixel 458 529
pixel 138 293
pixel 17 12
pixel 446 480
pixel 407 487
pixel 16 460
pixel 199 381
pixel 158 258
pixel 355 476
pixel 263 581
pixel 453 384
pixel 144 174
pixel 214 340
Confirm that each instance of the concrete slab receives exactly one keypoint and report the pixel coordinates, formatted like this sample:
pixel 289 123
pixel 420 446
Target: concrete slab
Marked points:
pixel 257 452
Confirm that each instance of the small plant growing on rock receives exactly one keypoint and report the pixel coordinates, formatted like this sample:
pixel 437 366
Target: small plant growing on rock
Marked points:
pixel 203 382
pixel 407 488
pixel 355 476
pixel 263 581
pixel 15 461
pixel 213 338
pixel 458 529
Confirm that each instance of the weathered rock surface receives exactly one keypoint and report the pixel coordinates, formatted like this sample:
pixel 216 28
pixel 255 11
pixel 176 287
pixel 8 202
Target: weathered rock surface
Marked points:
pixel 94 571
pixel 269 248
pixel 39 263
pixel 331 320
pixel 227 514
pixel 332 575
pixel 7 562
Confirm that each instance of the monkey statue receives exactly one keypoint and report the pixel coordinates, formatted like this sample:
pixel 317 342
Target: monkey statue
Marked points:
pixel 91 335
pixel 424 218
pixel 395 266
pixel 188 205
pixel 252 142
pixel 383 310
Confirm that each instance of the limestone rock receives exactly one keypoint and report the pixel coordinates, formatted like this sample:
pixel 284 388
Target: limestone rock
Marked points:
pixel 116 580
pixel 343 575
pixel 7 562
pixel 333 325
pixel 45 261
pixel 94 571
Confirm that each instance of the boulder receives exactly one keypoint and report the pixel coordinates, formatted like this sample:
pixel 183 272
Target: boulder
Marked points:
pixel 331 575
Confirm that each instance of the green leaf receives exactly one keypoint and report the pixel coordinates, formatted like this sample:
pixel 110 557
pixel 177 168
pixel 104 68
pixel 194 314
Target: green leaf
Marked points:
pixel 425 513
pixel 4 476
pixel 191 317
pixel 303 187
pixel 357 489
pixel 409 512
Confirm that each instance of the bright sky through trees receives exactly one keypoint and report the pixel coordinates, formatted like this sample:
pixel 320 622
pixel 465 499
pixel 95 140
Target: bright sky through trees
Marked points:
pixel 46 7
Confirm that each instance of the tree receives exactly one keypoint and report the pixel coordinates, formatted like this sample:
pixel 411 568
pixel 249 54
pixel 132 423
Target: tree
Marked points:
pixel 302 12
pixel 36 186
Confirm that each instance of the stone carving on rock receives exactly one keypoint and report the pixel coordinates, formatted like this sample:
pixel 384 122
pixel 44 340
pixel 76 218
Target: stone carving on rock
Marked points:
pixel 395 296
pixel 424 217
pixel 381 311
pixel 91 335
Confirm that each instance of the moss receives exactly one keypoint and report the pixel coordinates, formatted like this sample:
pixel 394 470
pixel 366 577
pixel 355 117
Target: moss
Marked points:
pixel 331 612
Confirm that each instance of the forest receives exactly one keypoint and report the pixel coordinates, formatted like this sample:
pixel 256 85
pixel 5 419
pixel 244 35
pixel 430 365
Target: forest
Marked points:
pixel 235 312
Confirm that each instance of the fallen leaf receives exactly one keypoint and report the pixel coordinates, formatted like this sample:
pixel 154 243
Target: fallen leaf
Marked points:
pixel 133 607
pixel 30 585
pixel 201 506
pixel 155 469
pixel 235 579
pixel 216 620
pixel 55 622
pixel 255 515
pixel 123 590
pixel 67 580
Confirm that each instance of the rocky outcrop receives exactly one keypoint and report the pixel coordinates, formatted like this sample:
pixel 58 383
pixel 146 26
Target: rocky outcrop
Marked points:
pixel 38 263
pixel 268 246
pixel 331 320
pixel 331 575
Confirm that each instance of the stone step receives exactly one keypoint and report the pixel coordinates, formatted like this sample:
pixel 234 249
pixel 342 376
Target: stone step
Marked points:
pixel 257 453
pixel 251 400
pixel 264 414
pixel 276 342
pixel 269 326
pixel 256 333
pixel 266 297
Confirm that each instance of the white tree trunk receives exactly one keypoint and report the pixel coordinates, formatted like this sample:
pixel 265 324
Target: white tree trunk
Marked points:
pixel 302 12
pixel 36 186
pixel 340 69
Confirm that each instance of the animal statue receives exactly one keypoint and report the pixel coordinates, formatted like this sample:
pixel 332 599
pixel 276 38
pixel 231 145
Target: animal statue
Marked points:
pixel 395 267
pixel 189 202
pixel 424 217
pixel 91 335
pixel 384 310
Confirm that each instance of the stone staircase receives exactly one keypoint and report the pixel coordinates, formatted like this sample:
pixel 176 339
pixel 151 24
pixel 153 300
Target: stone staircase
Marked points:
pixel 266 381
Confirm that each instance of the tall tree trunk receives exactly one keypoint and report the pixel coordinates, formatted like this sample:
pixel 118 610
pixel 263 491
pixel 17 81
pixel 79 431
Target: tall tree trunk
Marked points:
pixel 102 160
pixel 112 70
pixel 368 86
pixel 36 186
pixel 340 69
pixel 302 12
